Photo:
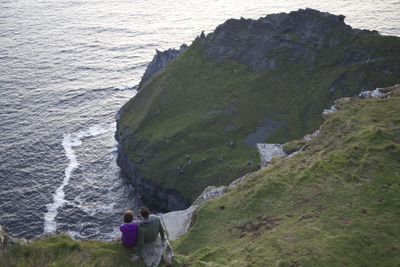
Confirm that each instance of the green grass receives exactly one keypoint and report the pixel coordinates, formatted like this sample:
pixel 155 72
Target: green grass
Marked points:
pixel 196 107
pixel 335 204
pixel 61 251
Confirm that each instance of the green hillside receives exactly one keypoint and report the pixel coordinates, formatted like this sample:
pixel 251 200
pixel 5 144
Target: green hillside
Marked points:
pixel 335 204
pixel 196 123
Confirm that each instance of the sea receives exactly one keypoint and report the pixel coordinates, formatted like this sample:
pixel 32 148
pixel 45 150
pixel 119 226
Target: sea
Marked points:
pixel 67 66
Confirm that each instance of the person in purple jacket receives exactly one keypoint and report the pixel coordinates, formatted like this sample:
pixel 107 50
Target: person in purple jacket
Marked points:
pixel 129 230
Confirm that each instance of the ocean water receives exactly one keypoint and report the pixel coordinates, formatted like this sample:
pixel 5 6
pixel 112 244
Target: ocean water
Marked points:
pixel 66 67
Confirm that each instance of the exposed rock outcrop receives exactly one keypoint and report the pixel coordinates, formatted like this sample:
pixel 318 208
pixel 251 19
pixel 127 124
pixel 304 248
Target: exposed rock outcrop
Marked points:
pixel 268 152
pixel 160 60
pixel 372 94
pixel 298 36
pixel 178 222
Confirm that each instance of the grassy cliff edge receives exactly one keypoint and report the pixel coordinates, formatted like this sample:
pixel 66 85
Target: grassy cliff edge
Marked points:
pixel 61 250
pixel 335 204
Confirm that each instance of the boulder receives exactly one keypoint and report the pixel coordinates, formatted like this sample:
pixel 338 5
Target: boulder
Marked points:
pixel 268 152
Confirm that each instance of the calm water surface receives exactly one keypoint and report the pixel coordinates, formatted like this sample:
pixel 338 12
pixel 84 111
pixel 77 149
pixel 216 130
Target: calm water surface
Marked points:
pixel 65 69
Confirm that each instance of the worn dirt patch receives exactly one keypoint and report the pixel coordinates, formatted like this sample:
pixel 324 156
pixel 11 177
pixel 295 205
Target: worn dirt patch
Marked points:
pixel 262 223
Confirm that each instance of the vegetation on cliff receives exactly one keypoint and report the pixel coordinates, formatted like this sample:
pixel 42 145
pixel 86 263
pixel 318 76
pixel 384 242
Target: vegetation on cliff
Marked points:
pixel 335 204
pixel 61 250
pixel 196 123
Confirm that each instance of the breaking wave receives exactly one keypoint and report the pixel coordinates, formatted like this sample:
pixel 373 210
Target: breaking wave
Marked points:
pixel 69 142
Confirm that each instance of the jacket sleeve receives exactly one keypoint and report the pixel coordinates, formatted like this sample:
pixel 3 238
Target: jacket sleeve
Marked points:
pixel 161 229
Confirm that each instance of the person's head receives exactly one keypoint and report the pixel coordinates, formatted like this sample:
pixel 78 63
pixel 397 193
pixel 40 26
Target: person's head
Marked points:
pixel 144 212
pixel 128 216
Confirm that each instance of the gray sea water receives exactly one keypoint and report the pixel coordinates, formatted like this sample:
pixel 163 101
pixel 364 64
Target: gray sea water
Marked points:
pixel 66 67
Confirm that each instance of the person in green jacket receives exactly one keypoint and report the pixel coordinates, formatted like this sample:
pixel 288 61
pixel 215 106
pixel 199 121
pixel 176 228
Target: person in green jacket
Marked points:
pixel 149 228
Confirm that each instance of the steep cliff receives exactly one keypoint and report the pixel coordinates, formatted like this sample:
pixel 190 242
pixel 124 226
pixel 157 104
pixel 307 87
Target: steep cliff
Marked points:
pixel 197 122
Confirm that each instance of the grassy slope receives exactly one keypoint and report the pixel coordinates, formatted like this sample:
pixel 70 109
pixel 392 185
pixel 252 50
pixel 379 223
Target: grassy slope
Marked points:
pixel 335 204
pixel 186 109
pixel 62 251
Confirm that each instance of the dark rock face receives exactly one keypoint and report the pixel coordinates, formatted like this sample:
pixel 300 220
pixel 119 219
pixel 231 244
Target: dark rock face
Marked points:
pixel 160 60
pixel 155 197
pixel 258 43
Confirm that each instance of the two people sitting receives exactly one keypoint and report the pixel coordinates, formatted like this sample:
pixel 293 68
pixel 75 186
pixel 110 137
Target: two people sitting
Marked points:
pixel 136 233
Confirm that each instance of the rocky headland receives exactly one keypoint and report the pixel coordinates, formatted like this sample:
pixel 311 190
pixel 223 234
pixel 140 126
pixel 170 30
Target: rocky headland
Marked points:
pixel 197 122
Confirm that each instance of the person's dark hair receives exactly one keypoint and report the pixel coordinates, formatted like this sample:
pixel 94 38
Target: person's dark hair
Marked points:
pixel 144 212
pixel 128 216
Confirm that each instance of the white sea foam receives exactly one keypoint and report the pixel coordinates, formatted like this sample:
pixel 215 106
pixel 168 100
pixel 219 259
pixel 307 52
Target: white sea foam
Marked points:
pixel 126 87
pixel 69 142
pixel 114 234
pixel 91 209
